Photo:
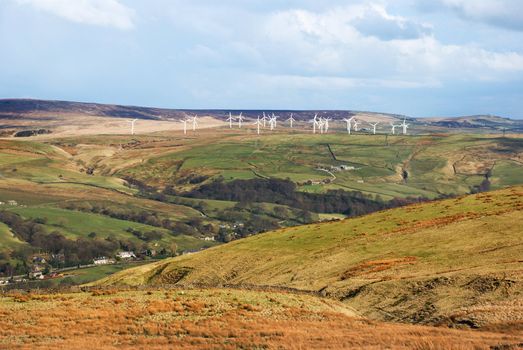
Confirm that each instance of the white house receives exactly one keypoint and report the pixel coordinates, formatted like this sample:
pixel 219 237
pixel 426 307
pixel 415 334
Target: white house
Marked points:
pixel 36 275
pixel 126 255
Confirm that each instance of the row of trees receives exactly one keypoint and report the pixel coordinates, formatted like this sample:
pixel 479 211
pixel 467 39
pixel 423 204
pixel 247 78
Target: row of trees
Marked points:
pixel 285 192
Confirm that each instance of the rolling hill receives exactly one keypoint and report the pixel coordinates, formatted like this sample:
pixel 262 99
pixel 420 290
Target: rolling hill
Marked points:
pixel 452 262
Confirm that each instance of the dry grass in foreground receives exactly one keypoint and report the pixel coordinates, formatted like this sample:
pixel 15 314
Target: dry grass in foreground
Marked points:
pixel 213 319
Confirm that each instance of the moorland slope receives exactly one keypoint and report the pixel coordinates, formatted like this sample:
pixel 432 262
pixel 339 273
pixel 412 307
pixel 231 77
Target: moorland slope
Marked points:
pixel 455 262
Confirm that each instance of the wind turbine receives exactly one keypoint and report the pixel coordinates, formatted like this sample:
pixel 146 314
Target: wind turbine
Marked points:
pixel 348 121
pixel 272 121
pixel 326 122
pixel 374 127
pixel 356 125
pixel 194 122
pixel 404 126
pixel 314 122
pixel 240 119
pixel 132 125
pixel 264 119
pixel 258 123
pixel 184 121
pixel 394 128
pixel 230 119
pixel 321 124
pixel 291 120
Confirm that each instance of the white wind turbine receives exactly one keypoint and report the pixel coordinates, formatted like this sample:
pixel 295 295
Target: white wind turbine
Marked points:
pixel 291 120
pixel 194 122
pixel 230 120
pixel 356 125
pixel 314 122
pixel 326 122
pixel 394 128
pixel 240 119
pixel 132 125
pixel 404 126
pixel 264 119
pixel 374 125
pixel 349 125
pixel 184 121
pixel 272 121
pixel 321 124
pixel 258 123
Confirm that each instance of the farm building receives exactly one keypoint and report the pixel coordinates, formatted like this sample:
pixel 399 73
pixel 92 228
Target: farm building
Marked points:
pixel 126 255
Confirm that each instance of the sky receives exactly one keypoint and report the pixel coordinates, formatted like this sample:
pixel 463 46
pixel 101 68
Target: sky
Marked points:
pixel 415 57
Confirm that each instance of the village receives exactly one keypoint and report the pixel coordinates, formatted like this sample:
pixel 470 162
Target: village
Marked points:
pixel 41 269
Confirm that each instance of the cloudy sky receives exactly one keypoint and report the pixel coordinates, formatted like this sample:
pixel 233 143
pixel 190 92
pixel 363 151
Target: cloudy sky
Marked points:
pixel 415 57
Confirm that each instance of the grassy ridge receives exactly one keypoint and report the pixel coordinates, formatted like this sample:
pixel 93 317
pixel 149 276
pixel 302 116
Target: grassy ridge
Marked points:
pixel 467 249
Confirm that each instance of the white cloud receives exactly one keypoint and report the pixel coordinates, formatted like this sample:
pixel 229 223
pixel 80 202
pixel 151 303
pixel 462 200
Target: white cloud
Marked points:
pixel 330 43
pixel 501 13
pixel 108 13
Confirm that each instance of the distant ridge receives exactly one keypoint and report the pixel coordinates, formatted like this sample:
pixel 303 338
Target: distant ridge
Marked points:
pixel 17 109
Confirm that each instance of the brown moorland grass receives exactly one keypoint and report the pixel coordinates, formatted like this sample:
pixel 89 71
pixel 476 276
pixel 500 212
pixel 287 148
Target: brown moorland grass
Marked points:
pixel 213 319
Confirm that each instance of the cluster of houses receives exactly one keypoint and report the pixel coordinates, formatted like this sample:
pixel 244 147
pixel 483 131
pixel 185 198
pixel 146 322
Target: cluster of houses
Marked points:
pixel 10 202
pixel 103 260
pixel 40 269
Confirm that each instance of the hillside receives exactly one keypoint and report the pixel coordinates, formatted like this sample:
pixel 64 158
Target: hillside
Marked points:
pixel 453 262
pixel 212 319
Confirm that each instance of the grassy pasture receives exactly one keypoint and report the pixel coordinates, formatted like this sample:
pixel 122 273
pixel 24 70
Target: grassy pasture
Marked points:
pixel 74 224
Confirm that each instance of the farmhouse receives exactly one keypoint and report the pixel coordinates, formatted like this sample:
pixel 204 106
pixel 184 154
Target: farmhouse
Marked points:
pixel 12 202
pixel 126 255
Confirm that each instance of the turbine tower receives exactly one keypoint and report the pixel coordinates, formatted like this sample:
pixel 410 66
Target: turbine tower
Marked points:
pixel 240 119
pixel 230 120
pixel 374 127
pixel 132 125
pixel 291 120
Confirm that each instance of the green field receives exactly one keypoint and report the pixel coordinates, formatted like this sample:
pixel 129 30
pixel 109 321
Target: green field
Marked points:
pixel 435 165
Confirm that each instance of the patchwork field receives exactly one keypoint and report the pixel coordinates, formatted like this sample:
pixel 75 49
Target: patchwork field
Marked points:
pixel 211 319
